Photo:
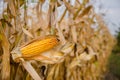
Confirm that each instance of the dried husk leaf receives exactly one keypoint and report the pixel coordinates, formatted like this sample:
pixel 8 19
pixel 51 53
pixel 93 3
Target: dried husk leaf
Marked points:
pixel 85 11
pixel 12 7
pixel 6 54
pixel 27 32
pixel 69 7
pixel 30 70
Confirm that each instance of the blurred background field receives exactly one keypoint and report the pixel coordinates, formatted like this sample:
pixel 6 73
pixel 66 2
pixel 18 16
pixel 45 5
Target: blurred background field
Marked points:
pixel 113 64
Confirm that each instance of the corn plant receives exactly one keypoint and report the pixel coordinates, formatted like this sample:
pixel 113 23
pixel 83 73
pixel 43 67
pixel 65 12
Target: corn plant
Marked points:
pixel 53 40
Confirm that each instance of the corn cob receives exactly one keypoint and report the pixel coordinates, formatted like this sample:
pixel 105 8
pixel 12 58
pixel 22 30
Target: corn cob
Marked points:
pixel 38 46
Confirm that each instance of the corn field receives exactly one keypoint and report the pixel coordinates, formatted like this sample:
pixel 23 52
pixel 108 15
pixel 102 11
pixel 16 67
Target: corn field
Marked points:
pixel 62 41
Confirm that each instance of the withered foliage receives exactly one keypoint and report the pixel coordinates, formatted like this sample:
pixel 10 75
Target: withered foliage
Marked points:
pixel 68 43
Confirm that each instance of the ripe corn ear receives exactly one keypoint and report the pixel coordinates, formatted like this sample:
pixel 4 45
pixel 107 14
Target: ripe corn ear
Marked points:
pixel 38 46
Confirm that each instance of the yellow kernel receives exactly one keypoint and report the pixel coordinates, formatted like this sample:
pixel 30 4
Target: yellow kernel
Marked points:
pixel 38 46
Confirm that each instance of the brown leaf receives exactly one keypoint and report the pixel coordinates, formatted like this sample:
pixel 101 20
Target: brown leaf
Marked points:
pixel 31 70
pixel 42 1
pixel 85 2
pixel 69 7
pixel 27 32
pixel 6 55
pixel 85 11
pixel 11 7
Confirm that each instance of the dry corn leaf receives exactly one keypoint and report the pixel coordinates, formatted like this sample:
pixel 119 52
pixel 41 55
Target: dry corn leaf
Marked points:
pixel 21 2
pixel 28 77
pixel 6 54
pixel 77 12
pixel 69 7
pixel 27 32
pixel 12 7
pixel 68 47
pixel 91 51
pixel 85 57
pixel 74 63
pixel 74 33
pixel 51 73
pixel 57 70
pixel 59 3
pixel 42 1
pixel 85 2
pixel 31 70
pixel 85 11
pixel 62 38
